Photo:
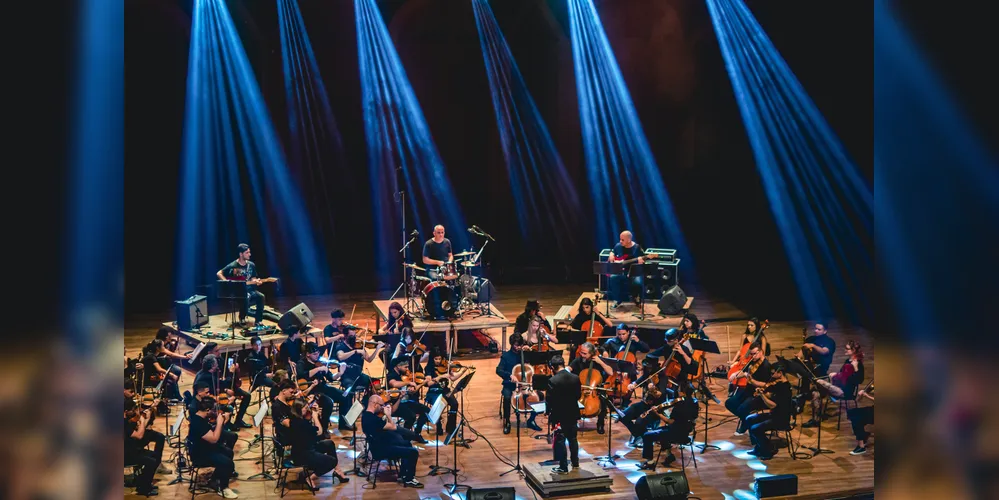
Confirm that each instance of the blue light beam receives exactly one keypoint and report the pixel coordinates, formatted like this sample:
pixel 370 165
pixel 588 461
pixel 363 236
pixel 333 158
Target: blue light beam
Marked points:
pixel 398 138
pixel 822 205
pixel 232 153
pixel 627 187
pixel 532 161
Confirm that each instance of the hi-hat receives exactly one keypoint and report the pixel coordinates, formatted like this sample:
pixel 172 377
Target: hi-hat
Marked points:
pixel 464 254
pixel 469 264
pixel 414 266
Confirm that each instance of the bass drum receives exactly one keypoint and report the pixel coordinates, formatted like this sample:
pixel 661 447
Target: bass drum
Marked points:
pixel 440 301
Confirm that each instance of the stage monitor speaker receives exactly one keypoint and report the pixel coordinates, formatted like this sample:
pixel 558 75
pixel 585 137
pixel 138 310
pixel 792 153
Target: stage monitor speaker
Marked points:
pixel 491 494
pixel 486 292
pixel 776 486
pixel 672 302
pixel 295 318
pixel 192 312
pixel 666 486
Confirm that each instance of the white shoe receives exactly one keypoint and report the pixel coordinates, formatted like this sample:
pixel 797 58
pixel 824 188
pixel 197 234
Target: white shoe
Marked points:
pixel 228 493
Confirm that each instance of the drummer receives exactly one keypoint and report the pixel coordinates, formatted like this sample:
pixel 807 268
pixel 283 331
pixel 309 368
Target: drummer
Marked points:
pixel 437 252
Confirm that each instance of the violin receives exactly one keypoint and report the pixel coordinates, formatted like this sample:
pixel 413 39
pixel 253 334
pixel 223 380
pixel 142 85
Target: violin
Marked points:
pixel 760 390
pixel 663 406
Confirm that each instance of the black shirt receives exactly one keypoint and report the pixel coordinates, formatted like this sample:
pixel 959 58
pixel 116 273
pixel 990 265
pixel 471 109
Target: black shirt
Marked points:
pixel 379 438
pixel 198 428
pixel 683 415
pixel 579 365
pixel 257 362
pixel 149 369
pixel 235 271
pixel 504 369
pixel 579 319
pixel 524 321
pixel 131 444
pixel 437 251
pixel 291 351
pixel 208 379
pixel 302 435
pixel 823 360
pixel 780 393
pixel 279 412
pixel 621 253
pixel 355 359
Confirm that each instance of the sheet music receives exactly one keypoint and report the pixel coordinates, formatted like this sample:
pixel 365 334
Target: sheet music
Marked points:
pixel 197 350
pixel 175 430
pixel 436 410
pixel 261 413
pixel 539 407
pixel 354 412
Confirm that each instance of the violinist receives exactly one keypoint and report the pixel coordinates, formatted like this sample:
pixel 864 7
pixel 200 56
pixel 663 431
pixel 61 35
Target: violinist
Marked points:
pixel 203 391
pixel 408 346
pixel 153 371
pixel 311 369
pixel 535 334
pixel 437 366
pixel 678 426
pixel 281 410
pixel 347 351
pixel 410 409
pixel 279 377
pixel 508 361
pixel 376 421
pixel 755 372
pixel 587 353
pixel 337 329
pixel 531 309
pixel 205 445
pixel 137 436
pixel 258 363
pixel 291 349
pixel 209 375
pixel 564 393
pixel 397 319
pixel 850 375
pixel 309 448
pixel 776 396
pixel 860 417
pixel 165 335
pixel 654 392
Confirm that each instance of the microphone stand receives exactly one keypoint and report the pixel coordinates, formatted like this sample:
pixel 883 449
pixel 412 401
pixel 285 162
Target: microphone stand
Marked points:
pixel 404 278
pixel 609 458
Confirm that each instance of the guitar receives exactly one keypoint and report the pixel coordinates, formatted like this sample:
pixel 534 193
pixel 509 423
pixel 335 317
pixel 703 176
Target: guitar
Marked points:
pixel 648 256
pixel 260 281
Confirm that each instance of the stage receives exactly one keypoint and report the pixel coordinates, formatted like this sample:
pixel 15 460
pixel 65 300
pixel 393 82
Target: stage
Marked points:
pixel 472 320
pixel 721 473
pixel 627 313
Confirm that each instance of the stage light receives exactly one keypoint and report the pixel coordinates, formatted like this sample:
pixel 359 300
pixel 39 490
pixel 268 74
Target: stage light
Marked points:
pixel 399 145
pixel 231 154
pixel 544 195
pixel 823 207
pixel 627 187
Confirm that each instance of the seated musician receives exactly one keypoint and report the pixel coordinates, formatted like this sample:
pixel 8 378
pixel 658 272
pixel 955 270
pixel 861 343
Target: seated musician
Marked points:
pixel 409 409
pixel 437 251
pixel 376 422
pixel 692 326
pixel 290 352
pixel 243 269
pixel 618 288
pixel 860 417
pixel 153 361
pixel 204 441
pixel 309 446
pixel 756 373
pixel 535 334
pixel 776 414
pixel 437 366
pixel 138 434
pixel 209 376
pixel 678 426
pixel 406 340
pixel 281 410
pixel 169 340
pixel 346 351
pixel 508 361
pixel 588 356
pixel 397 319
pixel 311 369
pixel 652 394
pixel 685 366
pixel 817 350
pixel 615 346
pixel 336 330
pixel 580 321
pixel 279 377
pixel 531 309
pixel 202 391
pixel 844 382
pixel 259 364
pixel 753 326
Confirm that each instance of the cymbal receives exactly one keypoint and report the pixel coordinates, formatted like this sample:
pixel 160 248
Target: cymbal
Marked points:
pixel 414 266
pixel 464 254
pixel 469 264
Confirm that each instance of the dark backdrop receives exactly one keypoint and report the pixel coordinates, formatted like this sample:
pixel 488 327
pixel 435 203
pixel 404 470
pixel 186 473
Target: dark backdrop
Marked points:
pixel 670 61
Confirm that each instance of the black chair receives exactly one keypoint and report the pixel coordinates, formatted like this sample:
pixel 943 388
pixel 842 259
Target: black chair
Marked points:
pixel 195 468
pixel 775 433
pixel 374 461
pixel 688 443
pixel 843 404
pixel 284 465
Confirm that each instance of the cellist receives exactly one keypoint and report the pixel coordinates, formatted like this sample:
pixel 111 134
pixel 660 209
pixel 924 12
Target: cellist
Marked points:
pixel 681 365
pixel 586 353
pixel 504 369
pixel 585 316
pixel 746 375
pixel 626 341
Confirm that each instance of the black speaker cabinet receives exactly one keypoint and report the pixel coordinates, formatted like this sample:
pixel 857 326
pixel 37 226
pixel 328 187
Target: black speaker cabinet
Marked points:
pixel 491 494
pixel 192 312
pixel 666 486
pixel 776 486
pixel 295 318
pixel 672 302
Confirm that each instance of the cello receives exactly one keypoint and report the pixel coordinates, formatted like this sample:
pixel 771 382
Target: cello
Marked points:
pixel 525 395
pixel 619 381
pixel 672 367
pixel 591 379
pixel 543 345
pixel 594 327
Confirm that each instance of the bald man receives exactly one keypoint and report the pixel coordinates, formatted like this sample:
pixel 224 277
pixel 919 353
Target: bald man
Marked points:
pixel 437 251
pixel 626 249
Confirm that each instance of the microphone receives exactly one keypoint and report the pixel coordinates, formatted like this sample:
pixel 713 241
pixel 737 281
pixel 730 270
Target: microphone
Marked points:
pixel 414 233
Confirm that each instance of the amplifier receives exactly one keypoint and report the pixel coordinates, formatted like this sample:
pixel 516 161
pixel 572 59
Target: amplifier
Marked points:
pixel 192 312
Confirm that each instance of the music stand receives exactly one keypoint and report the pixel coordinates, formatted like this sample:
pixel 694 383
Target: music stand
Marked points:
pixel 258 421
pixel 707 346
pixel 574 338
pixel 540 383
pixel 434 416
pixel 638 270
pixel 452 438
pixel 608 268
pixel 351 416
pixel 232 291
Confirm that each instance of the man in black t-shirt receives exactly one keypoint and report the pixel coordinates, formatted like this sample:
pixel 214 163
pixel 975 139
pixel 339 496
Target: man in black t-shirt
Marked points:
pixel 582 362
pixel 822 348
pixel 743 401
pixel 203 441
pixel 290 351
pixel 385 443
pixel 281 410
pixel 346 351
pixel 137 435
pixel 336 330
pixel 437 251
pixel 311 369
pixel 243 269
pixel 201 392
pixel 258 365
pixel 409 409
pixel 209 375
pixel 776 415
pixel 618 285
pixel 678 426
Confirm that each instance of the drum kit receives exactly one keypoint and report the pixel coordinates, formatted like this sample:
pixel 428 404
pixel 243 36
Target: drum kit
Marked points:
pixel 449 290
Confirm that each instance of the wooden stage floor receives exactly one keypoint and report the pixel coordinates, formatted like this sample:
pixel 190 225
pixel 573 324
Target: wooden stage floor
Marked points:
pixel 725 473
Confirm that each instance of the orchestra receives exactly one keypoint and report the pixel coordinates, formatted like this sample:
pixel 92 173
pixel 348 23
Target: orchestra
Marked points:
pixel 659 389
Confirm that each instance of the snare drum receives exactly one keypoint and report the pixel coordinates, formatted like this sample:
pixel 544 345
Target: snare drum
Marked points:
pixel 448 271
pixel 439 300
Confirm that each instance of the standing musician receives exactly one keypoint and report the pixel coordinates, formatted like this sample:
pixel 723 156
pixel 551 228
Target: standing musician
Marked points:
pixel 508 361
pixel 210 375
pixel 409 409
pixel 531 309
pixel 203 441
pixel 779 407
pixel 756 373
pixel 376 421
pixel 311 369
pixel 309 447
pixel 437 251
pixel 291 349
pixel 243 269
pixel 586 353
pixel 618 284
pixel 678 426
pixel 346 351
pixel 850 375
pixel 437 366
pixel 859 418
pixel 564 392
